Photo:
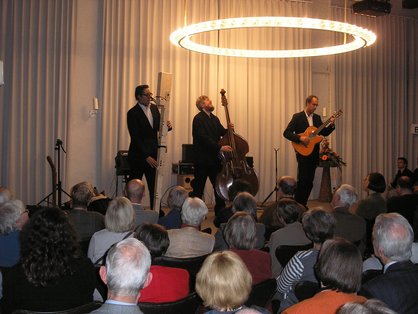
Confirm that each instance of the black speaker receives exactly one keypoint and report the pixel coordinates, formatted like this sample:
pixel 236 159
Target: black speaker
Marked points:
pixel 187 153
pixel 121 163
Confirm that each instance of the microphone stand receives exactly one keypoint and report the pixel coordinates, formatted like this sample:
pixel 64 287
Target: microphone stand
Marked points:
pixel 275 187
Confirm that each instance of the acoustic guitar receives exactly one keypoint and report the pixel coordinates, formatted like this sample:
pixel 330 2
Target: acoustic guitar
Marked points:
pixel 312 132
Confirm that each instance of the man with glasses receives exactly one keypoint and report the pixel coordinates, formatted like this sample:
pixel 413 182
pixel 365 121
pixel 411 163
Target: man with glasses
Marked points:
pixel 143 126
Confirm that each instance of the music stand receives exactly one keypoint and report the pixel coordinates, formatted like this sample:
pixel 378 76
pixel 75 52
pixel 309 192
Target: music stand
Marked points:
pixel 56 187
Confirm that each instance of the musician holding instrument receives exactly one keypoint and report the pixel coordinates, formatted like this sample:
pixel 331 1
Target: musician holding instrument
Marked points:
pixel 207 130
pixel 301 130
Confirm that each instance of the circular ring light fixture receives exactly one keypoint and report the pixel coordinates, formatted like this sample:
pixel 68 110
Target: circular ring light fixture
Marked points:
pixel 361 37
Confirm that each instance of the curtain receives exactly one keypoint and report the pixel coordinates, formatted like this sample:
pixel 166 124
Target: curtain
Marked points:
pixel 35 47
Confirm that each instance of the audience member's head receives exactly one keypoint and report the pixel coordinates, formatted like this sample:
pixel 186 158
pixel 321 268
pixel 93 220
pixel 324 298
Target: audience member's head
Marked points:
pixel 404 184
pixel 48 247
pixel 375 182
pixel 402 163
pixel 319 225
pixel 371 306
pixel 135 190
pixel 286 186
pixel 392 238
pixel 127 270
pixel 194 211
pixel 339 266
pixel 5 194
pixel 155 238
pixel 344 196
pixel 239 185
pixel 240 231
pixel 120 215
pixel 176 197
pixel 224 282
pixel 13 216
pixel 288 211
pixel 245 202
pixel 81 195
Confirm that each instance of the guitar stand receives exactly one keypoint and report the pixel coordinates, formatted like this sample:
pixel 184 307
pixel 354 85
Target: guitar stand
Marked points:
pixel 56 187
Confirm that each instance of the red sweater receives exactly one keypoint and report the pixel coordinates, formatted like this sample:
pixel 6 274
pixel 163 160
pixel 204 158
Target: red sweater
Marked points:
pixel 258 263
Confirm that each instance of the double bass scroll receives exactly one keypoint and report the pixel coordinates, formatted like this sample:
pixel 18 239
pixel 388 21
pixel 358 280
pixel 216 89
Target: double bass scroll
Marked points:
pixel 234 164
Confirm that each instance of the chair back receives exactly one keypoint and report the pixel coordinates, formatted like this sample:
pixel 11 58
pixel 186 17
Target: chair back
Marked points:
pixel 85 308
pixel 370 274
pixel 285 252
pixel 306 289
pixel 188 305
pixel 261 293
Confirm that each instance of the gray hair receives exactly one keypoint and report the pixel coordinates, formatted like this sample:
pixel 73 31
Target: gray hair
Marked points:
pixel 9 214
pixel 120 215
pixel 240 232
pixel 176 197
pixel 371 306
pixel 194 211
pixel 5 194
pixel 127 267
pixel 82 193
pixel 245 202
pixel 393 236
pixel 347 194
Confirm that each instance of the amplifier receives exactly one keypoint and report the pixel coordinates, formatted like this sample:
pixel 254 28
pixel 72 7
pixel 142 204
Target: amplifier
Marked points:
pixel 183 168
pixel 121 163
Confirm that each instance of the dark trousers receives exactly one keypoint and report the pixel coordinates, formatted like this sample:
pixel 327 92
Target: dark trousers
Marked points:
pixel 137 170
pixel 306 175
pixel 201 173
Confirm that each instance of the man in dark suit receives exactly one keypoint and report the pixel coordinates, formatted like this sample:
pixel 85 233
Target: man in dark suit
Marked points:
pixel 398 285
pixel 143 126
pixel 306 164
pixel 207 130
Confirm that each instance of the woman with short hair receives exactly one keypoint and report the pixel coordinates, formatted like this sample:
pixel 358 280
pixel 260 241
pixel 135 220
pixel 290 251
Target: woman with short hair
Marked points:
pixel 175 200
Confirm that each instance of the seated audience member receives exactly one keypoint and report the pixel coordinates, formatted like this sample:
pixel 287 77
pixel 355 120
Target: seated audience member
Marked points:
pixel 349 226
pixel 240 235
pixel 85 222
pixel 52 274
pixel 372 306
pixel 135 190
pixel 398 285
pixel 243 202
pixel 126 273
pixel 374 184
pixel 189 241
pixel 285 187
pixel 175 200
pixel 224 283
pixel 404 203
pixel 5 194
pixel 13 216
pixel 168 284
pixel 223 215
pixel 99 202
pixel 339 272
pixel 319 225
pixel 288 212
pixel 119 222
pixel 403 170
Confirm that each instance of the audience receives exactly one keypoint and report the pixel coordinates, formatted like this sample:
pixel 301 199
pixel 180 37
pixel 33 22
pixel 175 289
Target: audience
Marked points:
pixel 53 274
pixel 229 289
pixel 135 190
pixel 319 225
pixel 288 213
pixel 119 222
pixel 404 203
pixel 85 222
pixel 126 273
pixel 372 306
pixel 189 241
pixel 339 272
pixel 398 285
pixel 403 170
pixel 349 226
pixel 5 194
pixel 240 235
pixel 13 216
pixel 175 200
pixel 168 284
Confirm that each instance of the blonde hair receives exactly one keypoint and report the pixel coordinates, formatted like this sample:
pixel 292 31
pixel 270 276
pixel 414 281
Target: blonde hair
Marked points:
pixel 224 281
pixel 120 215
pixel 200 100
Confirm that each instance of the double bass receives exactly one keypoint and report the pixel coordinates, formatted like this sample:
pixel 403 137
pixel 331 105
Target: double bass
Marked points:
pixel 234 164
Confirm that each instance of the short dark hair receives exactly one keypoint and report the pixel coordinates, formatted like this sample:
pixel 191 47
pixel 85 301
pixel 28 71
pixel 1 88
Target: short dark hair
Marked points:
pixel 309 99
pixel 154 237
pixel 238 186
pixel 404 160
pixel 288 189
pixel 404 182
pixel 139 91
pixel 339 266
pixel 289 210
pixel 377 182
pixel 319 225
